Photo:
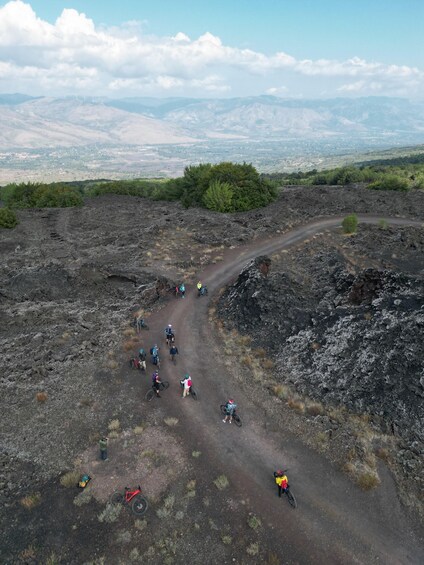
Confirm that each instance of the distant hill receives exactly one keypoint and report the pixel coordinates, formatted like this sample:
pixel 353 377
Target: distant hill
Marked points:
pixel 69 122
pixel 28 122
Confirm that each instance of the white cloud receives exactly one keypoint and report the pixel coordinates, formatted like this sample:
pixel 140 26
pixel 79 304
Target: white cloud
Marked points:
pixel 123 58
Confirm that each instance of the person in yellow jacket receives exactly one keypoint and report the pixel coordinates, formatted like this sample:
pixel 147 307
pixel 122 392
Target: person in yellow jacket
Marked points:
pixel 281 481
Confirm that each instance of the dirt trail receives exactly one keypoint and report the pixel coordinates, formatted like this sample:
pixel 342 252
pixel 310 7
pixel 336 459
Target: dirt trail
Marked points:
pixel 335 521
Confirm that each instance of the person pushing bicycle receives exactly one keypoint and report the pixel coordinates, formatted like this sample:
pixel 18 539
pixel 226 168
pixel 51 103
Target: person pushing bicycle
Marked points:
pixel 281 481
pixel 156 382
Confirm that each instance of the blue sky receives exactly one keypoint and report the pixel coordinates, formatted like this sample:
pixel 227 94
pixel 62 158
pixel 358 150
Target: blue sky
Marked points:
pixel 296 48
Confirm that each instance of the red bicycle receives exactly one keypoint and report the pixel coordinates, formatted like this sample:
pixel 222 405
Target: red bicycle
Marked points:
pixel 131 498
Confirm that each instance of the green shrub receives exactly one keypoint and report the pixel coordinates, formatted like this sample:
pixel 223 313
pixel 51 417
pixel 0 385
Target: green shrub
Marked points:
pixel 37 195
pixel 219 197
pixel 8 218
pixel 350 223
pixel 390 182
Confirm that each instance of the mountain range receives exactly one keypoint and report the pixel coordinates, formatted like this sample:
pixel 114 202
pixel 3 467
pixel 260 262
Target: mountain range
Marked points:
pixel 43 122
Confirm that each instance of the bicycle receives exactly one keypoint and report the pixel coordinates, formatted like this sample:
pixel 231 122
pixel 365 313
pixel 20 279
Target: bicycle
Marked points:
pixel 170 339
pixel 202 291
pixel 192 391
pixel 132 498
pixel 140 324
pixel 156 361
pixel 236 417
pixel 150 394
pixel 136 363
pixel 287 492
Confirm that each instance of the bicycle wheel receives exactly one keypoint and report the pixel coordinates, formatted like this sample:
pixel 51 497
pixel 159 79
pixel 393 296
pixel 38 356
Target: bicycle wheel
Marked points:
pixel 237 420
pixel 149 395
pixel 291 498
pixel 139 505
pixel 193 394
pixel 158 363
pixel 117 498
pixel 223 410
pixel 164 385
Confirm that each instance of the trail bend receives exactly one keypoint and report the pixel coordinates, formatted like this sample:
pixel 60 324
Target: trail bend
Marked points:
pixel 335 521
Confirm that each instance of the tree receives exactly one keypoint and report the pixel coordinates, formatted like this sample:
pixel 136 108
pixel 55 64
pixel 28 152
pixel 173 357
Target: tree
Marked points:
pixel 350 223
pixel 219 196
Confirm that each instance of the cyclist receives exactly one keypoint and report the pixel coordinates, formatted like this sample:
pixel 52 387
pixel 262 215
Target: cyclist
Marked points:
pixel 281 481
pixel 156 383
pixel 173 350
pixel 199 288
pixel 186 383
pixel 182 290
pixel 230 408
pixel 142 359
pixel 155 354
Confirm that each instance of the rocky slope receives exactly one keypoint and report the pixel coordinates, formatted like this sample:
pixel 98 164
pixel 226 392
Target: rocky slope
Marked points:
pixel 345 325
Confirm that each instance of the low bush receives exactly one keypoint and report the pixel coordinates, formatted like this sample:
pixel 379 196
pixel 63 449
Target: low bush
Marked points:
pixel 390 182
pixel 8 218
pixel 350 224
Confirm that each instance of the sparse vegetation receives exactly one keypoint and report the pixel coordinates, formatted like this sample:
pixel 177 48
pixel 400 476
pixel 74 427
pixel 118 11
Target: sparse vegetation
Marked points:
pixel 253 549
pixel 110 513
pixel 31 500
pixel 254 522
pixel 70 479
pixel 350 224
pixel 221 482
pixel 171 422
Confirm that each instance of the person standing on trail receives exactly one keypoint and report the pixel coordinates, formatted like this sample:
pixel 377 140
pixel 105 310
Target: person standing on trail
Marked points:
pixel 173 350
pixel 182 290
pixel 103 448
pixel 186 385
pixel 155 354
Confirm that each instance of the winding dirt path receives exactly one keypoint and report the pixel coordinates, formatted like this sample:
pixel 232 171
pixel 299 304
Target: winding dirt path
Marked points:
pixel 335 521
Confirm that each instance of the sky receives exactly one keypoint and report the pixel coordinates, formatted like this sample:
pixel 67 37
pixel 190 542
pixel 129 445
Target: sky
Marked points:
pixel 213 48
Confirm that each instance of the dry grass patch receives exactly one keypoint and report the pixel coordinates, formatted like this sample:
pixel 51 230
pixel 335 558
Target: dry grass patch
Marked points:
pixel 280 390
pixel 253 549
pixel 31 500
pixel 112 364
pixel 113 434
pixel 244 340
pixel 138 430
pixel 296 404
pixel 382 453
pixel 196 454
pixel 41 397
pixel 28 554
pixel 246 360
pixel 315 409
pixel 221 482
pixel 114 425
pixel 171 422
pixel 227 540
pixel 128 345
pixel 315 346
pixel 260 353
pixel 70 479
pixel 367 480
pixel 129 332
pixel 267 364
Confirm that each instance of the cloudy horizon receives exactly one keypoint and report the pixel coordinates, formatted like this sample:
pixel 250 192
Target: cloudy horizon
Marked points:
pixel 74 54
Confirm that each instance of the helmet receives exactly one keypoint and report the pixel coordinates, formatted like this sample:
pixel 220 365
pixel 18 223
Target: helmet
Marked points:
pixel 169 325
pixel 186 376
pixel 231 401
pixel 279 472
